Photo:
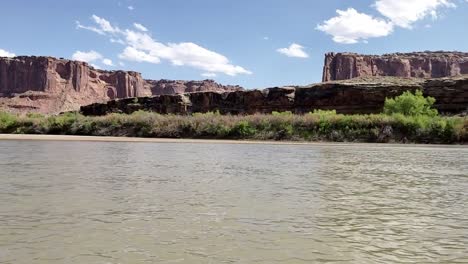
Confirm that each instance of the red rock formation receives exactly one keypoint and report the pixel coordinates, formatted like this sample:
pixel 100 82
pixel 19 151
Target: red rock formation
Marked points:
pixel 50 85
pixel 177 87
pixel 342 66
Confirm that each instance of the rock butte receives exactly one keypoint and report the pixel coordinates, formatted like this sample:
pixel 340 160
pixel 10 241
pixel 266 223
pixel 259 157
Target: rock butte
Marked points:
pixel 343 66
pixel 50 85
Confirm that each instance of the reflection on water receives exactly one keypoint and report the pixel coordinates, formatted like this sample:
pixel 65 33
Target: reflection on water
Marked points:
pixel 88 202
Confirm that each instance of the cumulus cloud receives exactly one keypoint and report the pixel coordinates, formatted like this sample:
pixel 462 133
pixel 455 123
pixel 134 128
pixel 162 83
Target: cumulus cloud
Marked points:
pixel 294 50
pixel 142 47
pixel 132 54
pixel 4 53
pixel 130 8
pixel 87 56
pixel 404 13
pixel 350 26
pixel 140 27
pixel 91 57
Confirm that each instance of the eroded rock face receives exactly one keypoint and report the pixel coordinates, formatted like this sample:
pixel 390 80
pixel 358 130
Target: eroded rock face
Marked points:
pixel 177 87
pixel 49 85
pixel 353 97
pixel 343 66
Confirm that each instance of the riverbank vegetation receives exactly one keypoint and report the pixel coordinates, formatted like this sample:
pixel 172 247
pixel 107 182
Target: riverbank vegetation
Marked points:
pixel 408 118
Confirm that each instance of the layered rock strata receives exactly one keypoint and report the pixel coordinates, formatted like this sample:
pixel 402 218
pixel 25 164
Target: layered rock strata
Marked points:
pixel 49 85
pixel 342 66
pixel 357 96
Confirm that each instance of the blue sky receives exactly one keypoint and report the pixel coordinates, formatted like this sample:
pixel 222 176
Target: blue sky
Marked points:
pixel 253 43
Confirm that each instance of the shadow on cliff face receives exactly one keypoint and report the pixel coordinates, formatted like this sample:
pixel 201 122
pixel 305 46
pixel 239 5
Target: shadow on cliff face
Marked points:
pixel 357 96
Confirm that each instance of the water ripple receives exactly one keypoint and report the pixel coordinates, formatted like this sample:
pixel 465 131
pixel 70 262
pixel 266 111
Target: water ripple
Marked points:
pixel 82 202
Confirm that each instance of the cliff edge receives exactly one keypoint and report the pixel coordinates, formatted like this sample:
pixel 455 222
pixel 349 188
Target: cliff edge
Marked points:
pixel 343 66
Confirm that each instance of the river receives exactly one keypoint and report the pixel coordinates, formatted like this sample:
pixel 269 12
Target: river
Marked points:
pixel 118 202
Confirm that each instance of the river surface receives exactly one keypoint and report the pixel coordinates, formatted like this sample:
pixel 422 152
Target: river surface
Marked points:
pixel 117 202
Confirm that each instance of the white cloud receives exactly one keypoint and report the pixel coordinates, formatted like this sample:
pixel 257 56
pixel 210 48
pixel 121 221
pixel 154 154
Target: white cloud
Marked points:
pixel 130 8
pixel 121 63
pixel 141 47
pixel 107 62
pixel 140 27
pixel 267 38
pixel 89 56
pixel 94 29
pixel 132 54
pixel 103 26
pixel 294 50
pixel 4 53
pixel 404 13
pixel 208 75
pixel 350 27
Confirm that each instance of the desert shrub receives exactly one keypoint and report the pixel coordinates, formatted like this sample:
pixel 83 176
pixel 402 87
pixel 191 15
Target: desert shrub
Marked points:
pixel 321 112
pixel 7 121
pixel 207 114
pixel 316 126
pixel 285 113
pixel 243 129
pixel 34 115
pixel 410 104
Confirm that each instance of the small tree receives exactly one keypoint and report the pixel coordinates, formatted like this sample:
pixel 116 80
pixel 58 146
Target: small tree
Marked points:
pixel 410 104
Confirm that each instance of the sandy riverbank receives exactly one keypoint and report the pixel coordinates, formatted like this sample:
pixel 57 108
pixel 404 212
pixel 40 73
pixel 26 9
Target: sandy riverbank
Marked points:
pixel 197 141
pixel 137 139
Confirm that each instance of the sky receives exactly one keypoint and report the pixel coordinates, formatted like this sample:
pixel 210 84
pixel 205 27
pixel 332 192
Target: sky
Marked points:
pixel 252 43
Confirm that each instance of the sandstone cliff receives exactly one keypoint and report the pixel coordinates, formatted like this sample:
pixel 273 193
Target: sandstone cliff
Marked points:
pixel 342 66
pixel 362 95
pixel 50 85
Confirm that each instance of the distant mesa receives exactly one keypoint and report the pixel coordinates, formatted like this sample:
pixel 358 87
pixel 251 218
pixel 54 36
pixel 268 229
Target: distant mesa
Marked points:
pixel 427 64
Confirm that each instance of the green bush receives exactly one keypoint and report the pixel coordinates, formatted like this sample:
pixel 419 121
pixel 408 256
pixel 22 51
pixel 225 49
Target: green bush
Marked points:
pixel 7 120
pixel 243 130
pixel 410 104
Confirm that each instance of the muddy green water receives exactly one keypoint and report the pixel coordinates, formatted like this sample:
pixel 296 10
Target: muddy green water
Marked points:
pixel 89 202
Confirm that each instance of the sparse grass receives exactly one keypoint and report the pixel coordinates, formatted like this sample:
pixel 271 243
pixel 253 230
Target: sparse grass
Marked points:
pixel 317 126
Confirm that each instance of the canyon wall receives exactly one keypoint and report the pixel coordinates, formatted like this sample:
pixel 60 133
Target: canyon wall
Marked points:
pixel 343 66
pixel 353 97
pixel 50 85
